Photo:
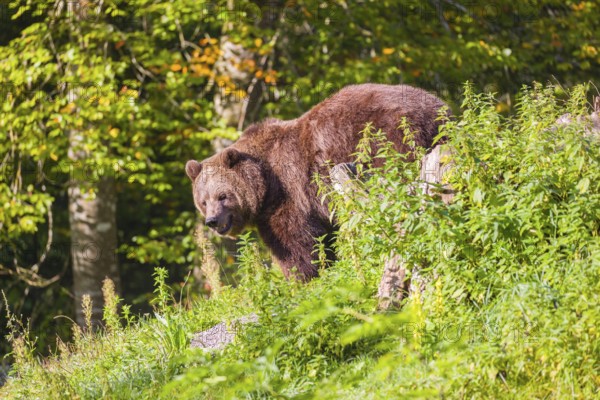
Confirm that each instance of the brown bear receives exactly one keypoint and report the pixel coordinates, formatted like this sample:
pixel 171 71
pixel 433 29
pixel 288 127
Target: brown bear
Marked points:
pixel 265 178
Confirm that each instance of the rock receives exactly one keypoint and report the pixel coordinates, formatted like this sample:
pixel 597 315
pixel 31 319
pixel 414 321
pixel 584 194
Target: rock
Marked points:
pixel 220 335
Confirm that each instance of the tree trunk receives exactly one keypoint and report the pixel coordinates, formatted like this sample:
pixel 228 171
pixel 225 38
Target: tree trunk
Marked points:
pixel 93 225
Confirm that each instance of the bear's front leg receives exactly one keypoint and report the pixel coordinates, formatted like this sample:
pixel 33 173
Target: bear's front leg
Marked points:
pixel 290 235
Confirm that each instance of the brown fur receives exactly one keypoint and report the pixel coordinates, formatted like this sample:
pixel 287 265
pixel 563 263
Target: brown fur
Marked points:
pixel 264 179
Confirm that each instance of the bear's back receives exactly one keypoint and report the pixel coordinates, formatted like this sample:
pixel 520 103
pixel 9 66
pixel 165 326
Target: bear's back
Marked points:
pixel 335 125
pixel 364 98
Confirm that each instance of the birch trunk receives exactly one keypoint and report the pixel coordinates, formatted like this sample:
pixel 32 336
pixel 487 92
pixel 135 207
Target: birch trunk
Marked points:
pixel 93 226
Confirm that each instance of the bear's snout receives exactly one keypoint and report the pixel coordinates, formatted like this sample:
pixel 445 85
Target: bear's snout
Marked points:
pixel 212 222
pixel 222 223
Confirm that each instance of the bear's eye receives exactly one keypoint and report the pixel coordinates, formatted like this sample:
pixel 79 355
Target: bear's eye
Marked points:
pixel 204 203
pixel 222 196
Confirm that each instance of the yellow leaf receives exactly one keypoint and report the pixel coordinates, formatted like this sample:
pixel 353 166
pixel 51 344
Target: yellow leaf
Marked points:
pixel 589 50
pixel 248 65
pixel 583 185
pixel 138 155
pixel 502 107
pixel 388 50
pixel 271 76
pixel 53 156
pixel 113 132
pixel 68 108
pixel 258 42
pixel 239 94
pixel 175 67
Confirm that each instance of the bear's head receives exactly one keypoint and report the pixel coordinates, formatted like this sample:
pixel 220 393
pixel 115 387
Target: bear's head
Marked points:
pixel 228 190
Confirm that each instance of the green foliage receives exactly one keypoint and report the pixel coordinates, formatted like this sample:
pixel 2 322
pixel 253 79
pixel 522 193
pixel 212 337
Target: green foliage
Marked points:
pixel 509 309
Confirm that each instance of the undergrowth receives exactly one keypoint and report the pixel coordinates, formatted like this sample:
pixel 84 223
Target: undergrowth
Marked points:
pixel 510 308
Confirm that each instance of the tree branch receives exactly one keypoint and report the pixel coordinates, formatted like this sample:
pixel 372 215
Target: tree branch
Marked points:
pixel 30 275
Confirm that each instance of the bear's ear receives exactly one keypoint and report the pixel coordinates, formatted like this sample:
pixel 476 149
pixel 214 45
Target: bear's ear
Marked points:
pixel 231 157
pixel 193 169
